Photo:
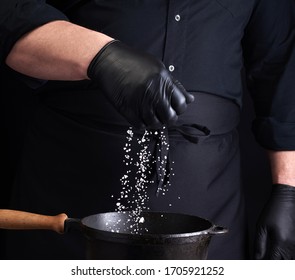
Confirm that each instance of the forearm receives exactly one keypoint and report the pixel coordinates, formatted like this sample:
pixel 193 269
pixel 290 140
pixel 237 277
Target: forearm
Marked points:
pixel 58 50
pixel 282 167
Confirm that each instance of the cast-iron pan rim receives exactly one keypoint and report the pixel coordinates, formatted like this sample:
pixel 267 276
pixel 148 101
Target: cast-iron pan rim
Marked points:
pixel 147 236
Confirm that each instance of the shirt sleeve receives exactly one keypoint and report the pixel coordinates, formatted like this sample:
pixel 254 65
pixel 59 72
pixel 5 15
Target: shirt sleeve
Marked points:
pixel 18 17
pixel 269 53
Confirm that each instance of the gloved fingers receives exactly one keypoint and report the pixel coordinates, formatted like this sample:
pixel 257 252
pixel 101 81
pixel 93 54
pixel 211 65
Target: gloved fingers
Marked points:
pixel 166 114
pixel 265 249
pixel 178 100
pixel 260 245
pixel 279 253
pixel 188 96
pixel 275 254
pixel 150 118
pixel 158 108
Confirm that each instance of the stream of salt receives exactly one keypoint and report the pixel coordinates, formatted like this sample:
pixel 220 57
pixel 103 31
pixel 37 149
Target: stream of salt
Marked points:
pixel 137 178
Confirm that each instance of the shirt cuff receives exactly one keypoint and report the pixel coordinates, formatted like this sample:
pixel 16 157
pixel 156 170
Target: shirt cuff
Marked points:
pixel 273 134
pixel 24 18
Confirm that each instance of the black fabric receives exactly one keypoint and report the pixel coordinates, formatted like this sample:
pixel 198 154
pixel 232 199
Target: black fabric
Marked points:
pixel 19 17
pixel 71 157
pixel 72 163
pixel 209 46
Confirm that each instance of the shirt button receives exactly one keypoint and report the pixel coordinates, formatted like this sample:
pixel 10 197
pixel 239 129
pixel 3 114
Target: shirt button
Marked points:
pixel 171 68
pixel 177 17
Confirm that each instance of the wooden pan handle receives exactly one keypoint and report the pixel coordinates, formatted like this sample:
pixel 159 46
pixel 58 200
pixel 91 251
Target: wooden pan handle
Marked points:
pixel 21 220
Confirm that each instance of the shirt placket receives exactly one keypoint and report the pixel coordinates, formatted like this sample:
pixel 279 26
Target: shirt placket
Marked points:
pixel 175 42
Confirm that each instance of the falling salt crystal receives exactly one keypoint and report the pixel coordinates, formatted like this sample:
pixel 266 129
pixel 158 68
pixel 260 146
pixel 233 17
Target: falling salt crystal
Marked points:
pixel 133 196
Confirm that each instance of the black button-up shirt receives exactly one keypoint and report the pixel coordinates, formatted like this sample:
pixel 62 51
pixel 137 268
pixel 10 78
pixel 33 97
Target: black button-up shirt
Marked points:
pixel 211 46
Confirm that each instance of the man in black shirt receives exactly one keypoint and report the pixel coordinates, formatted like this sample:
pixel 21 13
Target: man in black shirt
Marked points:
pixel 88 57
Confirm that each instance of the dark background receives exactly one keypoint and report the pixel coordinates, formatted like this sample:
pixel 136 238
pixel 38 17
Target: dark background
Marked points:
pixel 18 106
pixel 256 175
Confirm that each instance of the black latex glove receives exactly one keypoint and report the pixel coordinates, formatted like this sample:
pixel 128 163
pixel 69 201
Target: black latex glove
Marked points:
pixel 138 85
pixel 275 238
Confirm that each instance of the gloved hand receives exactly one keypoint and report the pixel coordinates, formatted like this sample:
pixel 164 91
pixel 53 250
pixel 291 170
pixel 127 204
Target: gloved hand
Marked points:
pixel 138 85
pixel 275 237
